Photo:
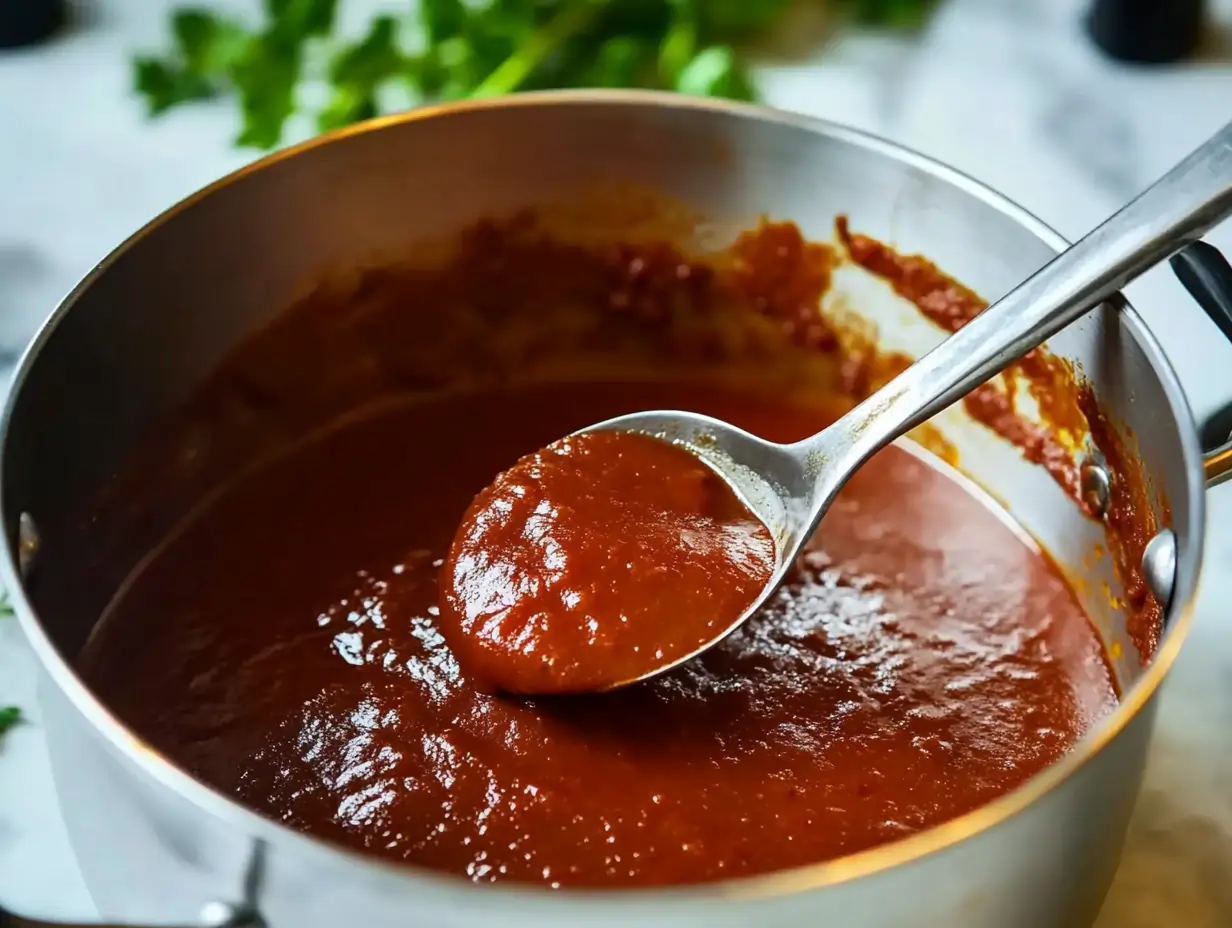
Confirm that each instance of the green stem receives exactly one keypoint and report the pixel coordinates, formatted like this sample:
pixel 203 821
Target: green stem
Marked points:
pixel 514 70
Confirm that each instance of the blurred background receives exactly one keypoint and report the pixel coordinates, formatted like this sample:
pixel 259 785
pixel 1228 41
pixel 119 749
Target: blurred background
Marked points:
pixel 112 110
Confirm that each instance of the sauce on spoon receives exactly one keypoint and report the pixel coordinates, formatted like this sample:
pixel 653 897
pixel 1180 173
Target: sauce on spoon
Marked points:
pixel 595 560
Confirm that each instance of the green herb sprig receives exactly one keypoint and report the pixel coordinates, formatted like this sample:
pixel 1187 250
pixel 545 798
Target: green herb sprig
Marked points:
pixel 10 716
pixel 451 49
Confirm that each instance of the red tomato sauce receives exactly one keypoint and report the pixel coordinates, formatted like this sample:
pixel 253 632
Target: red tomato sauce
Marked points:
pixel 287 648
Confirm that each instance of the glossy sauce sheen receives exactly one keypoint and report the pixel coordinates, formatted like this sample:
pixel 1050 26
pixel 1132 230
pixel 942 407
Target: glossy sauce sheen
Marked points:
pixel 596 561
pixel 286 647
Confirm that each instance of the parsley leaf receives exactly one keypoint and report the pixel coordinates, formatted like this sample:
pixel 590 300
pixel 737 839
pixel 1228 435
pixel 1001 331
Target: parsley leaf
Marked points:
pixel 207 45
pixel 677 49
pixel 265 78
pixel 357 73
pixel 896 14
pixel 165 84
pixel 205 48
pixel 299 19
pixel 10 716
pixel 716 72
pixel 442 19
pixel 621 62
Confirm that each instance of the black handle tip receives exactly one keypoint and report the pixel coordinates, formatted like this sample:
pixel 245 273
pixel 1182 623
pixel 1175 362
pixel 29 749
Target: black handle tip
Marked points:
pixel 1206 274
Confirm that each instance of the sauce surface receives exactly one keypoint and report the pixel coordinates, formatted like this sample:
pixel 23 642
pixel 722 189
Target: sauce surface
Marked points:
pixel 287 648
pixel 595 561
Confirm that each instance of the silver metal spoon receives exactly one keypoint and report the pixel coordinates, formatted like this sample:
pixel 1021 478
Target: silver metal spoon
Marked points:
pixel 790 487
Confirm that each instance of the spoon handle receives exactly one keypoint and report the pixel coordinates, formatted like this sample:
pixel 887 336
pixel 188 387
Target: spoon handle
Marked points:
pixel 1175 210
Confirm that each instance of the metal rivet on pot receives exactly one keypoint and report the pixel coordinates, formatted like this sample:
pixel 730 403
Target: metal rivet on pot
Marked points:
pixel 1096 487
pixel 226 915
pixel 27 543
pixel 1159 566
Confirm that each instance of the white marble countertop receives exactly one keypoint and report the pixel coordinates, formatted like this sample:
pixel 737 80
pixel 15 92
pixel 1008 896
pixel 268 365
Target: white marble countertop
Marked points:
pixel 1007 90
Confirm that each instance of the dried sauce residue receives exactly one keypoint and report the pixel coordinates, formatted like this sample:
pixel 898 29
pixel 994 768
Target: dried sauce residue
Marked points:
pixel 1131 523
pixel 777 272
pixel 993 406
pixel 1067 414
pixel 783 275
pixel 938 296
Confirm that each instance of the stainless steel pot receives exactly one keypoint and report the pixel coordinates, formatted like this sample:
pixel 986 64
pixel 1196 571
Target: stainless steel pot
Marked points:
pixel 136 336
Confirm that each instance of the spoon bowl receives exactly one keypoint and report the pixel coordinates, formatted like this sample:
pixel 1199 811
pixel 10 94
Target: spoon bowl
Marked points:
pixel 778 483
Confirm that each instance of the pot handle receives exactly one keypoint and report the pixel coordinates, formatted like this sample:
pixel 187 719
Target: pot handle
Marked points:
pixel 243 914
pixel 1205 273
pixel 234 918
pixel 1218 464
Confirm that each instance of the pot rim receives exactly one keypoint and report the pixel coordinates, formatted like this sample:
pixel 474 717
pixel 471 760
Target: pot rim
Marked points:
pixel 778 883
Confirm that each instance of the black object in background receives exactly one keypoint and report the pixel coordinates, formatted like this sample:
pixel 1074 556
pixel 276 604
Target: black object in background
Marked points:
pixel 25 22
pixel 1147 31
